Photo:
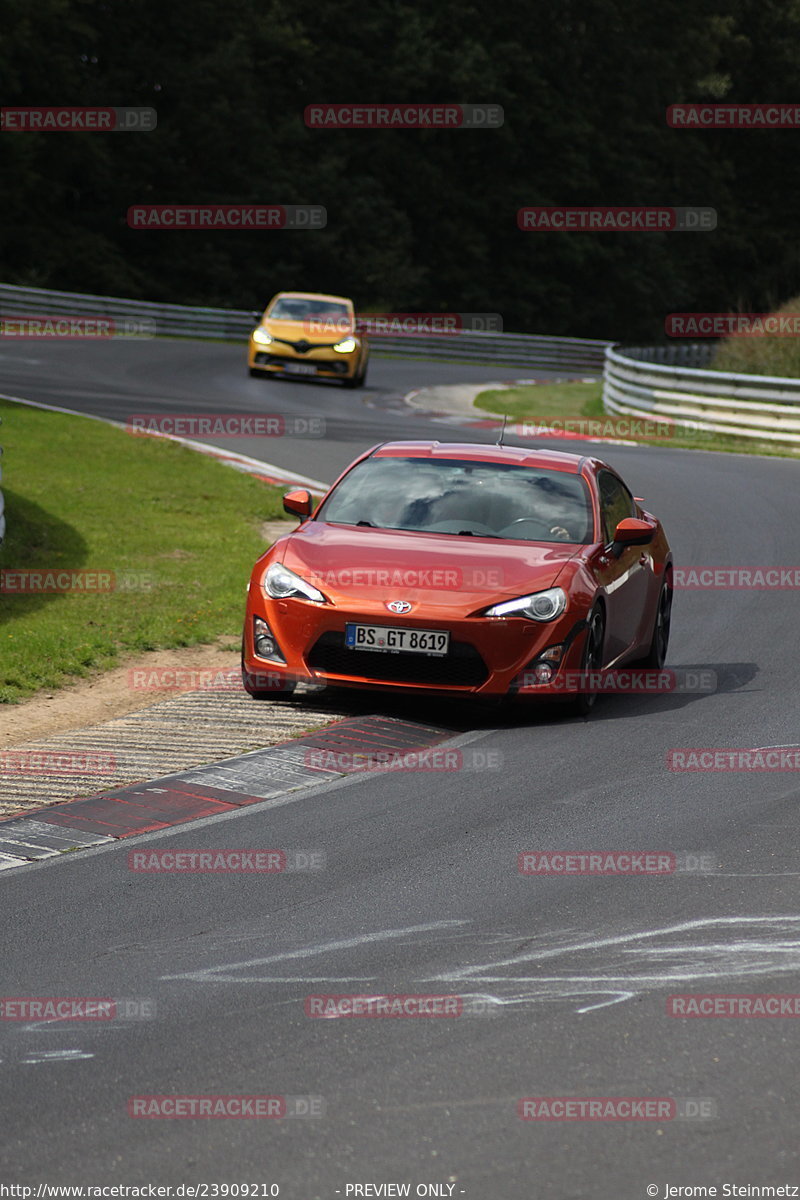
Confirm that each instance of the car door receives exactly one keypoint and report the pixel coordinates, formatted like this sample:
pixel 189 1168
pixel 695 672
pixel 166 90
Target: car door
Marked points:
pixel 626 579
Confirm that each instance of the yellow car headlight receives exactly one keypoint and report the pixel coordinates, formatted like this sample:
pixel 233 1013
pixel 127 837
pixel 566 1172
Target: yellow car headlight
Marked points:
pixel 262 337
pixel 346 346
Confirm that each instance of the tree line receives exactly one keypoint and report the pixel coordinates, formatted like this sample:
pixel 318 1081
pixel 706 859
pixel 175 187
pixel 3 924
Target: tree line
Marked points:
pixel 417 220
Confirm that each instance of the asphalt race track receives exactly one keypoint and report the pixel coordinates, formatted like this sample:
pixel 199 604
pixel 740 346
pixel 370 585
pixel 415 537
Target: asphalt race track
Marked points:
pixel 565 979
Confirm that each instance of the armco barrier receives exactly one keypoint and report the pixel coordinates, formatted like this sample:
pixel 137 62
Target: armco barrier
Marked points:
pixel 669 382
pixel 232 325
pixel 177 320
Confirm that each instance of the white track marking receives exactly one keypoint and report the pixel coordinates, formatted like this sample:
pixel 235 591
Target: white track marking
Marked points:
pixel 223 974
pixel 242 462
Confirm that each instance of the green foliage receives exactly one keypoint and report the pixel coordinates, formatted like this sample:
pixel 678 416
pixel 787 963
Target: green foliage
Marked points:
pixel 417 220
pixel 767 355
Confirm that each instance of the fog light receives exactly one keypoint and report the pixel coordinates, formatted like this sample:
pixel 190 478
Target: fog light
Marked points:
pixel 264 640
pixel 540 672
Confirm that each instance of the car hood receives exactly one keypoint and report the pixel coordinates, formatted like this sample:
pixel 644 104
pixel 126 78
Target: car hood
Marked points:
pixel 461 573
pixel 309 331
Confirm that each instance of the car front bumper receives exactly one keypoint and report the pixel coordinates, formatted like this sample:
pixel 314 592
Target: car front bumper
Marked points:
pixel 487 656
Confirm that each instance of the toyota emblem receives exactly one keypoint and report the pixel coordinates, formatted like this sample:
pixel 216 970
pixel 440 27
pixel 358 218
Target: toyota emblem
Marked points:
pixel 399 606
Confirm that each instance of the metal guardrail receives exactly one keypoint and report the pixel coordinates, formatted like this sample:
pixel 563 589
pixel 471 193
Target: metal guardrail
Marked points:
pixel 645 382
pixel 664 382
pixel 176 320
pixel 138 318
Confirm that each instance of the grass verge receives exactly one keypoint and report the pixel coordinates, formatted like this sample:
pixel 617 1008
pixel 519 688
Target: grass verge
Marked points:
pixel 176 531
pixel 581 404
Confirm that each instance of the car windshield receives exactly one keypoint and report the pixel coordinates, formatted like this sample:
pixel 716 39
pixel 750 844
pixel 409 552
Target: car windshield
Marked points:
pixel 300 309
pixel 479 499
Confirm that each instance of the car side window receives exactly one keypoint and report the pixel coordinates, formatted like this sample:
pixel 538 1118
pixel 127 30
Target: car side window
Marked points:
pixel 616 503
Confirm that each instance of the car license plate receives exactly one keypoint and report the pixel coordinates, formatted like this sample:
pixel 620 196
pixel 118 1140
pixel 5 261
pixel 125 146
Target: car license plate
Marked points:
pixel 300 369
pixel 406 641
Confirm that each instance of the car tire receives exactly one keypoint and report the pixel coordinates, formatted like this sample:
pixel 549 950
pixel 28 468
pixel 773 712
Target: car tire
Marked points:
pixel 357 380
pixel 591 659
pixel 657 654
pixel 248 683
pixel 255 372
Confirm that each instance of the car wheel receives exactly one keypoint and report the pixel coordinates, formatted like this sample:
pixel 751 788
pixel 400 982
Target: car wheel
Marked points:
pixel 254 371
pixel 358 379
pixel 591 659
pixel 657 654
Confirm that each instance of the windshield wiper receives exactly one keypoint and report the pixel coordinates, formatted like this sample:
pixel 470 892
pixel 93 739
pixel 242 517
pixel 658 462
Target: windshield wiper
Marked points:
pixel 365 523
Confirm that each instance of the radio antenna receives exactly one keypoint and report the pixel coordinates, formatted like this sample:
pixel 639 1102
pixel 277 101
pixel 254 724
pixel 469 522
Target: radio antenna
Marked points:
pixel 500 441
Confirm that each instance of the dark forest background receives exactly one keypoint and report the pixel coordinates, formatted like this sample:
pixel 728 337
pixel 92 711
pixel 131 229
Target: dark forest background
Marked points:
pixel 417 221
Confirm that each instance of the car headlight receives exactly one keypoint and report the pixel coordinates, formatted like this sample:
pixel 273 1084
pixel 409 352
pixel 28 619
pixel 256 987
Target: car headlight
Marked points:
pixel 346 346
pixel 261 336
pixel 280 583
pixel 539 606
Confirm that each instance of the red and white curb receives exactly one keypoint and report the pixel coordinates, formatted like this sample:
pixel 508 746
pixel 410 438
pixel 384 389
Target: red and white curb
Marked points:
pixel 527 431
pixel 343 748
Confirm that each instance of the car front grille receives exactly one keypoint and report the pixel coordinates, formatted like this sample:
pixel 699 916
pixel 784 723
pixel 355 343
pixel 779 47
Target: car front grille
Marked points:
pixel 461 667
pixel 302 346
pixel 278 360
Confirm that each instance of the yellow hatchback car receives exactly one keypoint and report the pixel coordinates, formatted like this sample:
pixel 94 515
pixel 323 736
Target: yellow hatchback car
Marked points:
pixel 309 334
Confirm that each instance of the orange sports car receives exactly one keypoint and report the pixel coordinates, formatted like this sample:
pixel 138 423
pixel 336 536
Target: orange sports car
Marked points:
pixel 486 571
pixel 309 334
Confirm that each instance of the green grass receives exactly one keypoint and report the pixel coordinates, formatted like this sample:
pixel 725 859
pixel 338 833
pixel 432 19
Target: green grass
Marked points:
pixel 85 496
pixel 543 403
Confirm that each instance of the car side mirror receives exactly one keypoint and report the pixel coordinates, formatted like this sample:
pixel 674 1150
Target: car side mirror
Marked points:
pixel 632 532
pixel 298 503
pixel 256 315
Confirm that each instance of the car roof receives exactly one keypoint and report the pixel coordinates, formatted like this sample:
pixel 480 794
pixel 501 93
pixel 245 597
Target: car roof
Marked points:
pixel 552 460
pixel 310 296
